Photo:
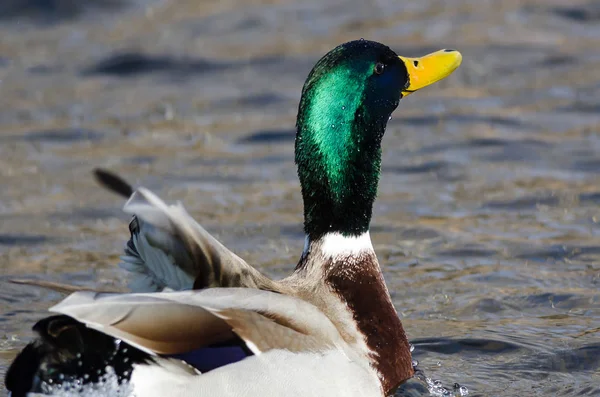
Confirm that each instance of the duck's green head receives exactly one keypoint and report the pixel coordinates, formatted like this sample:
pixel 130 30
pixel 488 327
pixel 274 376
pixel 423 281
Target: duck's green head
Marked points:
pixel 346 103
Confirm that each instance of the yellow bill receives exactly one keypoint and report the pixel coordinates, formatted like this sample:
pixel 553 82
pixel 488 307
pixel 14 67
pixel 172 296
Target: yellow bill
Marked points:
pixel 429 69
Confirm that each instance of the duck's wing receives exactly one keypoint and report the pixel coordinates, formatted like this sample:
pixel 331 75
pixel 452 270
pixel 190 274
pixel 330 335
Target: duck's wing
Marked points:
pixel 169 250
pixel 178 322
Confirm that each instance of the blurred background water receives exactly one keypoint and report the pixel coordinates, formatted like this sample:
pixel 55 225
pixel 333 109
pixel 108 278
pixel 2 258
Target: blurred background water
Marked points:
pixel 487 219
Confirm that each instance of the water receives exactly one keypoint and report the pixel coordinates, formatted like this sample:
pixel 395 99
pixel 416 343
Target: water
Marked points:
pixel 487 221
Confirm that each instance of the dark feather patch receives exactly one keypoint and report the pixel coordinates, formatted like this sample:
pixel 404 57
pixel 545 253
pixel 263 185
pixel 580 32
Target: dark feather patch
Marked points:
pixel 215 356
pixel 113 182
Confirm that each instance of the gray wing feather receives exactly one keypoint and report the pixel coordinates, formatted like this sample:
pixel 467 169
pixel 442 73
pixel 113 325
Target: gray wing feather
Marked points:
pixel 169 249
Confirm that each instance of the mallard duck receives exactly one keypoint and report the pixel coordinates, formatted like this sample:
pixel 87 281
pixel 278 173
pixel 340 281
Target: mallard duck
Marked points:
pixel 328 329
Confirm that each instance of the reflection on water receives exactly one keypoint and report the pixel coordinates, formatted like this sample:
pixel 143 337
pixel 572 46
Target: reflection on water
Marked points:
pixel 487 217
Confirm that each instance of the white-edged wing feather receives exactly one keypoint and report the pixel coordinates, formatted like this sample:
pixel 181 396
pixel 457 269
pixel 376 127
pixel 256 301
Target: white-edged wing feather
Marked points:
pixel 169 249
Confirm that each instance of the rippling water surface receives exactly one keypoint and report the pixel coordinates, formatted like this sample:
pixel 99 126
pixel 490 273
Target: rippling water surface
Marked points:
pixel 487 219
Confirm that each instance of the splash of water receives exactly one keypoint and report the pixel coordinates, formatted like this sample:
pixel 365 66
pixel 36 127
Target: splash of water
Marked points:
pixel 107 386
pixel 436 387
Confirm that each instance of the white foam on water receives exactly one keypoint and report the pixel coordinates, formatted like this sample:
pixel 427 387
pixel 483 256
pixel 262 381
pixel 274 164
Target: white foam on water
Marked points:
pixel 108 386
pixel 436 387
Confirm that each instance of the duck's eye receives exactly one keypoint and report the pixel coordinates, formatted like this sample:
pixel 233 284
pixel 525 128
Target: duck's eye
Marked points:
pixel 379 68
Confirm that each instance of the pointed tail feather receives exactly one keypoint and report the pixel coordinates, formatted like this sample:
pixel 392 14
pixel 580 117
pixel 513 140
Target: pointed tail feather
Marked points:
pixel 113 182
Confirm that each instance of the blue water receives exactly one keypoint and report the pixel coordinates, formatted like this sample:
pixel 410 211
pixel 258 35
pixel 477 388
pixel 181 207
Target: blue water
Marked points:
pixel 487 218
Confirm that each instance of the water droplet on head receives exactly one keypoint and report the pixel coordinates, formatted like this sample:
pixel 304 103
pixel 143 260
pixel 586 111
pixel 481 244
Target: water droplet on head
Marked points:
pixel 343 107
pixel 332 125
pixel 361 39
